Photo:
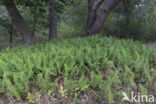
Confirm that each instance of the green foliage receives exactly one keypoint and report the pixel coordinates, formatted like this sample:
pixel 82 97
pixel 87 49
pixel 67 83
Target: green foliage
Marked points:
pixel 73 20
pixel 138 22
pixel 6 28
pixel 94 64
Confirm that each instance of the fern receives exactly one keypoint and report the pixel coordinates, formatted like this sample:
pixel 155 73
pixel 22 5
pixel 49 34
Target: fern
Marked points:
pixel 99 64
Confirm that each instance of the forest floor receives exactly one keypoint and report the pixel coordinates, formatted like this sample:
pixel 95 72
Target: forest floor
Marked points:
pixel 44 98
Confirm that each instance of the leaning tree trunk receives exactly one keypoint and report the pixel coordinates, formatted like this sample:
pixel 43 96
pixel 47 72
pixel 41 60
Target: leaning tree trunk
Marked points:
pixel 18 21
pixel 91 14
pixel 53 21
pixel 99 19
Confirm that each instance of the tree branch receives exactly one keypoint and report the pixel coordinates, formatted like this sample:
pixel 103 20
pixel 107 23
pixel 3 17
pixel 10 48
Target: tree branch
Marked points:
pixel 108 6
pixel 97 4
pixel 91 13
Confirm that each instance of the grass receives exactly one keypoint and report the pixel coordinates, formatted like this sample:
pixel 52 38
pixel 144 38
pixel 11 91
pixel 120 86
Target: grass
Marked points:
pixel 78 70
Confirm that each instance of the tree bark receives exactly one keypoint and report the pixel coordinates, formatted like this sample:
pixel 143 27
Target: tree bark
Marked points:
pixel 91 13
pixel 98 22
pixel 18 21
pixel 53 21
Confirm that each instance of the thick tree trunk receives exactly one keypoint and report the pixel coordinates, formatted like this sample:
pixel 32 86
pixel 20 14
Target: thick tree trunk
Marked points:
pixel 108 6
pixel 91 14
pixel 18 21
pixel 53 21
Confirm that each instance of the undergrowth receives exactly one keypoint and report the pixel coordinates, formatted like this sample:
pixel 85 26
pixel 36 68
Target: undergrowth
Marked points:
pixel 71 67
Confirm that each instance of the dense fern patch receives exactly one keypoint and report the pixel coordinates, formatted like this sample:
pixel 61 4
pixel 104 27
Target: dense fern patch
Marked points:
pixel 71 67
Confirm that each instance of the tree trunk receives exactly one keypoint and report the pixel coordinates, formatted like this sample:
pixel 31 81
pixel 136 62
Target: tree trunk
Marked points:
pixel 98 22
pixel 18 21
pixel 91 14
pixel 53 21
